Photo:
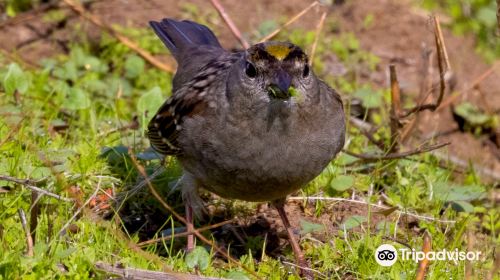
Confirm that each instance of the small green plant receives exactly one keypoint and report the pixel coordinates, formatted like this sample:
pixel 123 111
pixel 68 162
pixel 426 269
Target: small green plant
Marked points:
pixel 473 16
pixel 471 118
pixel 13 7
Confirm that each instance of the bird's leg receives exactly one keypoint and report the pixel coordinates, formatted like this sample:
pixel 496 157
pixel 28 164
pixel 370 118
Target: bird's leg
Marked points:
pixel 189 227
pixel 299 256
pixel 192 203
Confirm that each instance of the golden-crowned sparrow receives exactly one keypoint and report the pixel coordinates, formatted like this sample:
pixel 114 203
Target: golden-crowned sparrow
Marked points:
pixel 254 125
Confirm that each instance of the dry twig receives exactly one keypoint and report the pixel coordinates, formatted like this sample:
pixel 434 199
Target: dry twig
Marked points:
pixel 292 20
pixel 29 240
pixel 236 32
pixel 470 247
pixel 425 90
pixel 395 90
pixel 383 207
pixel 135 273
pixel 423 264
pixel 392 156
pixel 316 37
pixel 367 130
pixel 30 184
pixel 123 39
pixel 395 109
pixel 425 71
pixel 442 55
pixel 34 213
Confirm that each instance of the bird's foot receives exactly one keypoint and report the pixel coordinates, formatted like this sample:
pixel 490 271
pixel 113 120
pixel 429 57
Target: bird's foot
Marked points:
pixel 299 256
pixel 189 228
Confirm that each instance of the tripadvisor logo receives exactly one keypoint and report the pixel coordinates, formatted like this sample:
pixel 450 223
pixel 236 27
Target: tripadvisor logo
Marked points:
pixel 386 255
pixel 443 255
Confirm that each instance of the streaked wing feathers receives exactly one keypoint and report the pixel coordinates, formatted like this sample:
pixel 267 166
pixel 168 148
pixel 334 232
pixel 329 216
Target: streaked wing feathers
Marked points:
pixel 191 99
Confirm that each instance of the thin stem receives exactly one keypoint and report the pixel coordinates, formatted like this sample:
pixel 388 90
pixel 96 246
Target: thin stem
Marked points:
pixel 292 20
pixel 227 19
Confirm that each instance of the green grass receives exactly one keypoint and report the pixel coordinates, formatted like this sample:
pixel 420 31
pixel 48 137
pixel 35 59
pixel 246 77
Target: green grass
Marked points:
pixel 61 123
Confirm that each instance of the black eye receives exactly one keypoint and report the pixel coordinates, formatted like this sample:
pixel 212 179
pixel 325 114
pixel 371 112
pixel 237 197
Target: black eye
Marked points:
pixel 305 73
pixel 250 70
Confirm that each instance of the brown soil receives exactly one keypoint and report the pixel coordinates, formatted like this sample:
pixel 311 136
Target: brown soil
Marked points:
pixel 397 36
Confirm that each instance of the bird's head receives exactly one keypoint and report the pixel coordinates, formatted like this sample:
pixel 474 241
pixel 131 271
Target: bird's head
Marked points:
pixel 275 71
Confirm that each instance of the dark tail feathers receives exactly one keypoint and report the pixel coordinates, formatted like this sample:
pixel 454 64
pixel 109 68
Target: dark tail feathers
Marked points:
pixel 177 35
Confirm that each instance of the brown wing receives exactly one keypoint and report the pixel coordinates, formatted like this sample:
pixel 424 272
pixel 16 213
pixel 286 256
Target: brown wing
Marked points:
pixel 189 100
pixel 165 126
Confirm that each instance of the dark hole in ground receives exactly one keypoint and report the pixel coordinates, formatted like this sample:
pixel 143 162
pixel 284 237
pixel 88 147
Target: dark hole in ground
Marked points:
pixel 475 121
pixel 143 216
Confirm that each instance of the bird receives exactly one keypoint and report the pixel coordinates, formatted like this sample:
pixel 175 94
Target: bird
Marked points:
pixel 254 125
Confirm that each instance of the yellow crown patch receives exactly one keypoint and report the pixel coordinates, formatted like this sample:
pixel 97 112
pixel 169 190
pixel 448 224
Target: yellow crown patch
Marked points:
pixel 279 51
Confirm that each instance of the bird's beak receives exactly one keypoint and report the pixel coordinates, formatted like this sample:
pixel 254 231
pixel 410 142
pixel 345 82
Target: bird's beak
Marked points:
pixel 280 87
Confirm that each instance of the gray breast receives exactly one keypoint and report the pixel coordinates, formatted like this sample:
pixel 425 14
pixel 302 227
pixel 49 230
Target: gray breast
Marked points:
pixel 263 156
